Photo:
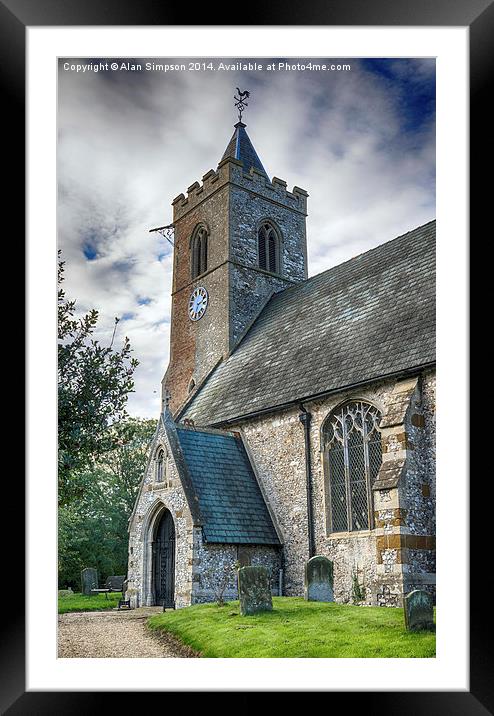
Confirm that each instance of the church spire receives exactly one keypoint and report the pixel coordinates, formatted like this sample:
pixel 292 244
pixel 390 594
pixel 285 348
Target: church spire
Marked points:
pixel 240 147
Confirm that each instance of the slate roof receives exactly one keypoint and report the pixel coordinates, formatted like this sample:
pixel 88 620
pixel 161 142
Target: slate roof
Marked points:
pixel 230 500
pixel 369 317
pixel 240 147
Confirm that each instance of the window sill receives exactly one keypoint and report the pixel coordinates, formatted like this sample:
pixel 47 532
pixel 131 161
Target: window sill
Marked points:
pixel 160 486
pixel 200 275
pixel 350 535
pixel 274 274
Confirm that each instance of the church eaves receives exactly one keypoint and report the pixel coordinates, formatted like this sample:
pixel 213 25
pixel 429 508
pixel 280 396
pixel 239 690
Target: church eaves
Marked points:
pixel 240 147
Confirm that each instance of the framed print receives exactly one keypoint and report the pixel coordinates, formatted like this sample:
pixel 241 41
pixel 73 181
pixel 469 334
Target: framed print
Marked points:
pixel 138 170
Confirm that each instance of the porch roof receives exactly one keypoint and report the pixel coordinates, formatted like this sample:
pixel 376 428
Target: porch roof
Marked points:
pixel 230 500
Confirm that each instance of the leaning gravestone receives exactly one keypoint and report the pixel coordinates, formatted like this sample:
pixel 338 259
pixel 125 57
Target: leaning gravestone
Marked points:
pixel 254 590
pixel 319 580
pixel 419 611
pixel 89 579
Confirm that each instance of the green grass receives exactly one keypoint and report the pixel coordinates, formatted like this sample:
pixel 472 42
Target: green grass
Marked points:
pixel 78 602
pixel 296 628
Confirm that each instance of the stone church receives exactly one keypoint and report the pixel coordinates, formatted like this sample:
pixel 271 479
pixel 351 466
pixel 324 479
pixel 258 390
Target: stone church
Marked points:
pixel 298 413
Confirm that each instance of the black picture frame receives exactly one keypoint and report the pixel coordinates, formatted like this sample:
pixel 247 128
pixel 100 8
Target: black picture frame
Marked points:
pixel 15 17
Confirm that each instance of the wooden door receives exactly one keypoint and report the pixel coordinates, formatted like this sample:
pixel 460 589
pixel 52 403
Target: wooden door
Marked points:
pixel 164 561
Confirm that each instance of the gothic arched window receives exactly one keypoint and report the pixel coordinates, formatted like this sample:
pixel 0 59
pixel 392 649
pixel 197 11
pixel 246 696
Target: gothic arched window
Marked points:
pixel 268 248
pixel 160 465
pixel 199 251
pixel 352 458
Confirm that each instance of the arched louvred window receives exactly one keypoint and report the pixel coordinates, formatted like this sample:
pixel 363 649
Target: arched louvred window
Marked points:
pixel 268 248
pixel 353 456
pixel 160 465
pixel 203 258
pixel 199 251
pixel 262 250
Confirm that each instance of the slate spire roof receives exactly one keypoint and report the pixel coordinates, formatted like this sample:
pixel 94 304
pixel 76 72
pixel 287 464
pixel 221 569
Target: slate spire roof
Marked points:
pixel 370 317
pixel 240 147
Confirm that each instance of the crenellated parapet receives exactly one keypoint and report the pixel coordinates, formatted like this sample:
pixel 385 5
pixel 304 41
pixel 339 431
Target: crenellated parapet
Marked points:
pixel 198 192
pixel 231 171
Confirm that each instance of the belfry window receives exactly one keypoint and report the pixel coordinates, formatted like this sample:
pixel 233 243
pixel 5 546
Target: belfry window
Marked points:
pixel 199 251
pixel 160 465
pixel 268 248
pixel 352 458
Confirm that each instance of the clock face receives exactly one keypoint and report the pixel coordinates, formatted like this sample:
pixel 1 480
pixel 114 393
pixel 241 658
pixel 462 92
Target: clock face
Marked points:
pixel 198 303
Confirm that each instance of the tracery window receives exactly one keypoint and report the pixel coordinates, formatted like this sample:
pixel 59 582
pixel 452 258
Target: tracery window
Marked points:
pixel 353 456
pixel 199 251
pixel 268 248
pixel 160 465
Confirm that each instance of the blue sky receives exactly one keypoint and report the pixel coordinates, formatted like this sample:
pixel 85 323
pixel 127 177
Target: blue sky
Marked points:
pixel 362 143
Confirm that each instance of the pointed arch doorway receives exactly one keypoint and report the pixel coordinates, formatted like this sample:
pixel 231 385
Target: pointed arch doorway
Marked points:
pixel 164 561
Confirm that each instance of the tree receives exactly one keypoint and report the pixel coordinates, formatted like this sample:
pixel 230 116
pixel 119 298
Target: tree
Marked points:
pixel 93 531
pixel 120 470
pixel 94 383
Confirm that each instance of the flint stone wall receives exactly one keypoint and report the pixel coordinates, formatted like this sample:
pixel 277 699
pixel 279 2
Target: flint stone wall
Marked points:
pixel 210 561
pixel 276 442
pixel 395 557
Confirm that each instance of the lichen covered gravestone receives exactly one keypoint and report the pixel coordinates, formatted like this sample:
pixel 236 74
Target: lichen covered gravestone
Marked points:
pixel 419 611
pixel 89 580
pixel 254 590
pixel 319 580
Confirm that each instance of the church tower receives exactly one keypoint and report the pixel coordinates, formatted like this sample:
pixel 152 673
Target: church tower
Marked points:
pixel 239 238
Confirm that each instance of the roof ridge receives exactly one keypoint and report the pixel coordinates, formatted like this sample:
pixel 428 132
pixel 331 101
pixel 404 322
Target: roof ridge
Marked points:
pixel 347 261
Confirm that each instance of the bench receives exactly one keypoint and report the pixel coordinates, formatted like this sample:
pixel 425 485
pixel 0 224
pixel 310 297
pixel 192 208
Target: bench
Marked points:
pixel 115 584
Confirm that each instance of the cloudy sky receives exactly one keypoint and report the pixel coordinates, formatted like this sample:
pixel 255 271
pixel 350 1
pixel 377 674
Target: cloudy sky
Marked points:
pixel 361 142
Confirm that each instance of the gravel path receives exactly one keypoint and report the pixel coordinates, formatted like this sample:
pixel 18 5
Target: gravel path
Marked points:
pixel 114 634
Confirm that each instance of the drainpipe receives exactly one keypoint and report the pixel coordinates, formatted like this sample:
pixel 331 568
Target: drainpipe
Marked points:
pixel 305 418
pixel 281 574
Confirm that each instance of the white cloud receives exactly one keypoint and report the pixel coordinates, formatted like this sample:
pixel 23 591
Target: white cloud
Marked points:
pixel 129 143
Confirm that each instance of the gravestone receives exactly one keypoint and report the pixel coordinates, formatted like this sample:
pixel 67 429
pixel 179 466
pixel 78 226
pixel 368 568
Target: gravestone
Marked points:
pixel 319 580
pixel 89 579
pixel 244 556
pixel 65 593
pixel 254 590
pixel 419 611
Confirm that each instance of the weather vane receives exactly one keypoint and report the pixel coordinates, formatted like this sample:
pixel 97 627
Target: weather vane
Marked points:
pixel 241 104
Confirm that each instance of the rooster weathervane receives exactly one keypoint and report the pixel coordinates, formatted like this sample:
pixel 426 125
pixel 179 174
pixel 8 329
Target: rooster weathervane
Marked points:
pixel 241 104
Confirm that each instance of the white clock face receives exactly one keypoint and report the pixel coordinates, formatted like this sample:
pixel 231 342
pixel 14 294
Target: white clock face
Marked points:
pixel 198 303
